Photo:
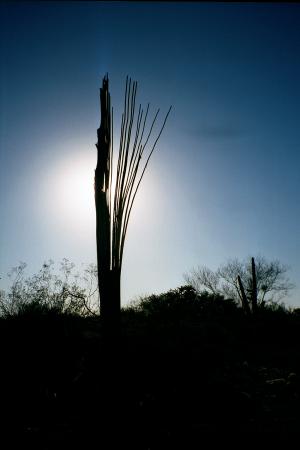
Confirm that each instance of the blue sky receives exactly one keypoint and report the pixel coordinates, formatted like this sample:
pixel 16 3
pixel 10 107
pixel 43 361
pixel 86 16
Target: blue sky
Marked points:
pixel 224 181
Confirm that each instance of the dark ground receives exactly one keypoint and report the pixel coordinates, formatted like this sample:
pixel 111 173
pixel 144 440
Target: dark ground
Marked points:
pixel 176 376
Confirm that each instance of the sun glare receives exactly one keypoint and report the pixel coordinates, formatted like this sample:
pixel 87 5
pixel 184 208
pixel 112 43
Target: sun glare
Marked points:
pixel 76 190
pixel 71 193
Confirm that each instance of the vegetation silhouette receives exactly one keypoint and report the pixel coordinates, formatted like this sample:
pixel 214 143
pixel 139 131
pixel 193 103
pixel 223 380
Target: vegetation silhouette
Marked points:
pixel 192 363
pixel 251 282
pixel 51 292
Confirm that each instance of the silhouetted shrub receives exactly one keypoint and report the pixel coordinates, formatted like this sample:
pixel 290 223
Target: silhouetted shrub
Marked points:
pixel 48 292
pixel 35 308
pixel 183 302
pixel 275 308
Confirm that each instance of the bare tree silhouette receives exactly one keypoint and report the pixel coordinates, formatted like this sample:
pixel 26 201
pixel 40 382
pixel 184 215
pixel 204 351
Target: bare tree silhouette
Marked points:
pixel 251 282
pixel 114 201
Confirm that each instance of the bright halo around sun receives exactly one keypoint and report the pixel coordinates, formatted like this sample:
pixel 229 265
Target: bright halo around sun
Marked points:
pixel 72 193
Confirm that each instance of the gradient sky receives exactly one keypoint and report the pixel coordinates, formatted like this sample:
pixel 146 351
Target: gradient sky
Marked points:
pixel 224 181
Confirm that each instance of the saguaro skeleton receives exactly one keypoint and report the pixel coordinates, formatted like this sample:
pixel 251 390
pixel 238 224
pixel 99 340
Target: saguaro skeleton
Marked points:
pixel 114 203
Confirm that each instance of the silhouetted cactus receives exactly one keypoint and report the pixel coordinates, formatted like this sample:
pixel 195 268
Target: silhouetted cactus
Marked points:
pixel 112 214
pixel 252 291
pixel 254 287
pixel 245 303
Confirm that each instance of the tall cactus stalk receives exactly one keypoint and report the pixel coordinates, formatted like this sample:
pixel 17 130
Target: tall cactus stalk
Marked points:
pixel 245 303
pixel 103 199
pixel 112 214
pixel 254 287
pixel 252 291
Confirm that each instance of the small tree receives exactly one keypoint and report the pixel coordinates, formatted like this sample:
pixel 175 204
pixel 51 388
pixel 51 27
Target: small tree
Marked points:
pixel 114 203
pixel 253 280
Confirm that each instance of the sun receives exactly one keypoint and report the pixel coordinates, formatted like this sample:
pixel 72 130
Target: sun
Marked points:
pixel 76 189
pixel 71 193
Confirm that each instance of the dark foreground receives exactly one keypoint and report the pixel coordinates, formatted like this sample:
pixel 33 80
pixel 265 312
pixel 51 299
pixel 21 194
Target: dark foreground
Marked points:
pixel 175 375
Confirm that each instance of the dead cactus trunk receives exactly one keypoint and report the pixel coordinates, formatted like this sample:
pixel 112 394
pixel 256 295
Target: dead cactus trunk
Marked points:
pixel 254 287
pixel 112 214
pixel 245 303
